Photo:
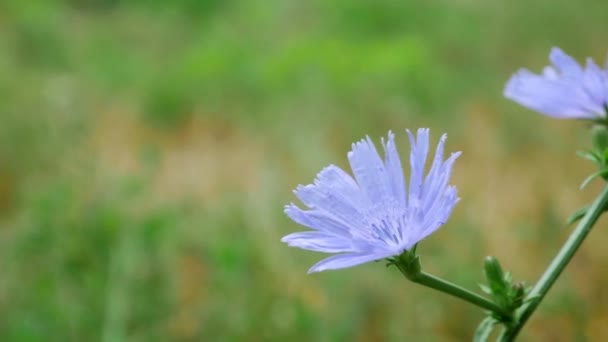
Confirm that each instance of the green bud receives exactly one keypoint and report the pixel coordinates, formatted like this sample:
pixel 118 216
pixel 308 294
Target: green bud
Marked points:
pixel 518 294
pixel 494 275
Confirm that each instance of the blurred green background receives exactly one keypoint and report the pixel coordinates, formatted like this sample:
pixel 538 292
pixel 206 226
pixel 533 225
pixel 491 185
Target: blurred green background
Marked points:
pixel 147 148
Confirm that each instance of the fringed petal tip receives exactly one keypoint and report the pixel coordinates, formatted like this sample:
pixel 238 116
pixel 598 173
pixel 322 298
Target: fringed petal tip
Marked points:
pixel 419 132
pixel 288 207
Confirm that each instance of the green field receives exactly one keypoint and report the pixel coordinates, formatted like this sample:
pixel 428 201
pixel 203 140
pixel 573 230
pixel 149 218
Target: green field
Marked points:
pixel 147 149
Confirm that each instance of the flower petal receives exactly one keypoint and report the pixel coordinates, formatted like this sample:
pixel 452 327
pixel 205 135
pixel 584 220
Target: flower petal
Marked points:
pixel 435 186
pixel 429 181
pixel 552 97
pixel 420 149
pixel 345 260
pixel 334 192
pixel 394 170
pixel 564 90
pixel 438 214
pixel 318 242
pixel 318 220
pixel 596 85
pixel 369 171
pixel 564 63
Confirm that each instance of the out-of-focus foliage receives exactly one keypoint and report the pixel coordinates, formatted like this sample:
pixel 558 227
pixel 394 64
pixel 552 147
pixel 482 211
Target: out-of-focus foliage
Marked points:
pixel 147 148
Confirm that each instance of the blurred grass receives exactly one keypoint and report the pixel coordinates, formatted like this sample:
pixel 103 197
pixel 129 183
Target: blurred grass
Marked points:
pixel 147 149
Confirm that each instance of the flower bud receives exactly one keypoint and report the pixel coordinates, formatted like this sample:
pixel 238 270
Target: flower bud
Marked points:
pixel 494 274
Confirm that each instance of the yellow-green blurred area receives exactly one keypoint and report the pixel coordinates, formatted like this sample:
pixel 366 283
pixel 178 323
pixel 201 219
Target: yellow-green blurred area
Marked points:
pixel 147 148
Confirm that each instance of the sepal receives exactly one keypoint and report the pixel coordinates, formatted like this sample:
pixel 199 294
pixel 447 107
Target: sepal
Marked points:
pixel 409 264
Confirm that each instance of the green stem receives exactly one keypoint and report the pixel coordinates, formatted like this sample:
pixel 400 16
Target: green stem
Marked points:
pixel 557 265
pixel 429 280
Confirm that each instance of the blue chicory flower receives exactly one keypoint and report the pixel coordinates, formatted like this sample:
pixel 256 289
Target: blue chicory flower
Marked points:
pixel 565 90
pixel 373 216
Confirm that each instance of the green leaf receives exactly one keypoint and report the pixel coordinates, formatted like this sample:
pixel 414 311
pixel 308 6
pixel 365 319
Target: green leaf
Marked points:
pixel 485 289
pixel 588 180
pixel 577 215
pixel 605 156
pixel 589 155
pixel 484 329
pixel 599 137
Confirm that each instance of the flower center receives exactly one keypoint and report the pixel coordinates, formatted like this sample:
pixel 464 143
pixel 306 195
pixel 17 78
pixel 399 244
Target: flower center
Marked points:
pixel 387 223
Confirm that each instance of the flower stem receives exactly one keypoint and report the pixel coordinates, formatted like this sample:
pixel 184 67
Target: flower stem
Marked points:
pixel 417 276
pixel 558 264
pixel 439 284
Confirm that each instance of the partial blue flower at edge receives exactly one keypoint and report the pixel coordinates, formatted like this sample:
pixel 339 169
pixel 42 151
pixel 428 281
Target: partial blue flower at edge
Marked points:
pixel 565 90
pixel 375 215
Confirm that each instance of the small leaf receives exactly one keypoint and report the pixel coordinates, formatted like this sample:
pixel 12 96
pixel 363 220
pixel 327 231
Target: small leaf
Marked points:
pixel 577 215
pixel 599 137
pixel 484 329
pixel 588 180
pixel 605 154
pixel 485 289
pixel 589 155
